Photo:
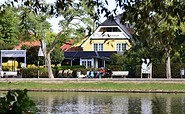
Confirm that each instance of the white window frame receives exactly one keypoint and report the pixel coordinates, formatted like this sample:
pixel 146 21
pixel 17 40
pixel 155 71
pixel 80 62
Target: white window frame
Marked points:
pixel 99 46
pixel 87 61
pixel 122 46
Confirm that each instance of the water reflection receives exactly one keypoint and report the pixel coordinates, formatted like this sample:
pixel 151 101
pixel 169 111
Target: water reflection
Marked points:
pixel 108 103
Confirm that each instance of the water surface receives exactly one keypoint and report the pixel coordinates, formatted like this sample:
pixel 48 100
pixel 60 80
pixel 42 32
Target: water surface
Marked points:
pixel 108 103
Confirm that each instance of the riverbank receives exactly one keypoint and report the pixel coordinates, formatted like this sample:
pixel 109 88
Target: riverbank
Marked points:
pixel 125 85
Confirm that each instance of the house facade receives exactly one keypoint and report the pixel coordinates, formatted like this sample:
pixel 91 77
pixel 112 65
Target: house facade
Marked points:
pixel 109 38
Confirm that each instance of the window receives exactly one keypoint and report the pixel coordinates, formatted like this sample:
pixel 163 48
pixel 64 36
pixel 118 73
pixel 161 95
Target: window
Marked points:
pixel 84 63
pixel 109 29
pixel 88 63
pixel 98 46
pixel 121 46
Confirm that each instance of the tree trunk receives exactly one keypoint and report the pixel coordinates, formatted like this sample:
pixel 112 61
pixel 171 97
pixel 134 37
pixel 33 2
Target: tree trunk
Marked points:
pixel 168 66
pixel 48 61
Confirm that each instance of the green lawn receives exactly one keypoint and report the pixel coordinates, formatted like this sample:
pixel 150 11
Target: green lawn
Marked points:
pixel 94 86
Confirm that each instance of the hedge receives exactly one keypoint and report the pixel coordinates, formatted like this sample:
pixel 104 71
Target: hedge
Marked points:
pixel 158 70
pixel 43 72
pixel 33 72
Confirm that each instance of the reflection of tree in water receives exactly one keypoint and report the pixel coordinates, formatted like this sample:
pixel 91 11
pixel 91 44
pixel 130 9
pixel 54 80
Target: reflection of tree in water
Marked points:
pixel 100 103
pixel 178 105
pixel 159 105
pixel 134 106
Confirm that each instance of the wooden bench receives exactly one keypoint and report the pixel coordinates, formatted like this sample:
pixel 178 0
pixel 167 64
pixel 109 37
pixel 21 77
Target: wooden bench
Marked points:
pixel 120 73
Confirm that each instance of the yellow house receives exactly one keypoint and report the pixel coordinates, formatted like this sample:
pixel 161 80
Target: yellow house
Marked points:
pixel 109 38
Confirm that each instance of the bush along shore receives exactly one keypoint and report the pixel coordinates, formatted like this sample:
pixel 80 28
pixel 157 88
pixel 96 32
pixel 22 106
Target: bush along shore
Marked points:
pixel 96 86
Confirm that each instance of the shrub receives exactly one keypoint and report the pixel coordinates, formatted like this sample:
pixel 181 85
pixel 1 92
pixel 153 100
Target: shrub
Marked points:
pixel 115 67
pixel 33 72
pixel 158 70
pixel 17 102
pixel 29 72
pixel 73 68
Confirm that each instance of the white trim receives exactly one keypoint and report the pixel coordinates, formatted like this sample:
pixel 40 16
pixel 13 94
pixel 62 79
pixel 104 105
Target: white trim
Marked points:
pixel 96 31
pixel 12 53
pixel 98 48
pixel 121 45
pixel 86 61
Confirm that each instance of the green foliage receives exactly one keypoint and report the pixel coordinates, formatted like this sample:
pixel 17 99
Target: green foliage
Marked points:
pixel 78 21
pixel 33 72
pixel 124 62
pixel 32 56
pixel 115 67
pixel 5 46
pixel 17 102
pixel 156 25
pixel 19 24
pixel 70 67
pixel 117 59
pixel 74 69
pixel 9 27
pixel 57 55
pixel 33 27
pixel 158 70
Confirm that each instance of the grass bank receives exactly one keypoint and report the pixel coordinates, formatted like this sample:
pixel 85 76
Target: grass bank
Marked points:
pixel 97 86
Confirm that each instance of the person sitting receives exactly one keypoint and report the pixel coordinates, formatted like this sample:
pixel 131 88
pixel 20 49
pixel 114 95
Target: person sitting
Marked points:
pixel 109 73
pixel 101 72
pixel 91 74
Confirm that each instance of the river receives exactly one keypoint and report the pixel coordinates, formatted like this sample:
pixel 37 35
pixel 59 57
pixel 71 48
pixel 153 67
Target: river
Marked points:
pixel 108 103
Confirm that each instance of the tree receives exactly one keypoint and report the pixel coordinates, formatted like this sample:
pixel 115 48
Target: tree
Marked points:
pixel 17 102
pixel 70 11
pixel 70 29
pixel 57 55
pixel 33 27
pixel 156 24
pixel 9 28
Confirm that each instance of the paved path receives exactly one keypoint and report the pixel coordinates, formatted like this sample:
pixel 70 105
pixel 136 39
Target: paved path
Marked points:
pixel 123 80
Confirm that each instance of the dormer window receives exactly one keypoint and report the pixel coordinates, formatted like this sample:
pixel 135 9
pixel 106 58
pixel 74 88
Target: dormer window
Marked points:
pixel 109 29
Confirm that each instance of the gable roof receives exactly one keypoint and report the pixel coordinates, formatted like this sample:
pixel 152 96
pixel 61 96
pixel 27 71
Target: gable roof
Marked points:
pixel 109 22
pixel 67 45
pixel 37 43
pixel 123 27
pixel 116 22
pixel 112 22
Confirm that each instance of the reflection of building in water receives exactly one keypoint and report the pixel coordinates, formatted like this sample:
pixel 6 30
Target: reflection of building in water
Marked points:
pixel 91 105
pixel 168 106
pixel 119 105
pixel 82 105
pixel 77 103
pixel 146 105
